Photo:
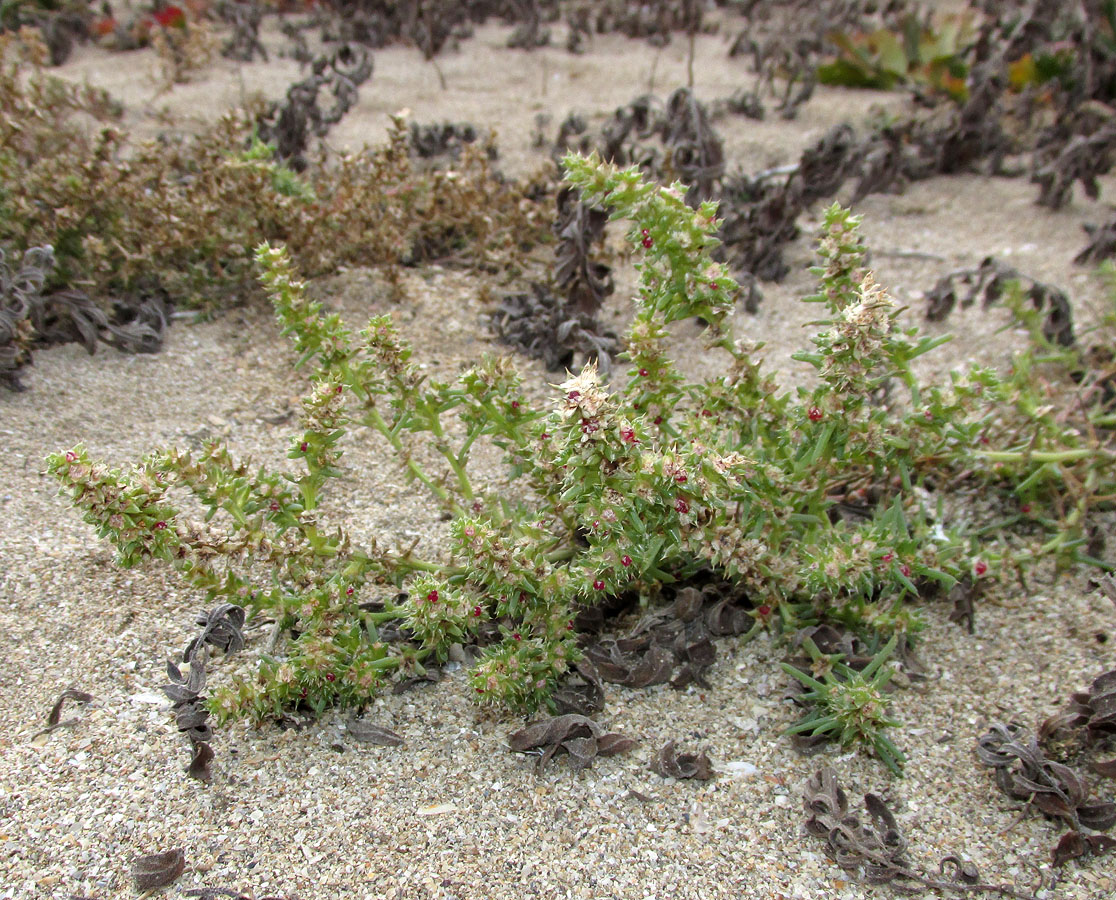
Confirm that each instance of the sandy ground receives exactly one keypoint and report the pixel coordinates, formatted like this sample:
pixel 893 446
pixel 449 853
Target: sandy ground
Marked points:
pixel 453 813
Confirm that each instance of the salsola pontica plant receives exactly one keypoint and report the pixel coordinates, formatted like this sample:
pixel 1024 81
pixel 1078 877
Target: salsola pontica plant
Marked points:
pixel 620 489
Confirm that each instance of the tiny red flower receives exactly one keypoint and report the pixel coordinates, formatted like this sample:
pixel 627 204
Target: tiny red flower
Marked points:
pixel 644 232
pixel 515 404
pixel 432 597
pixel 517 636
pixel 589 426
pixel 480 690
pixel 682 506
pixel 71 456
pixel 647 243
pixel 348 592
pixel 476 612
pixel 330 676
pixel 477 506
pixel 629 435
pixel 658 420
pixel 598 585
pixel 544 436
pixel 887 557
pixel 303 447
pixel 1025 509
pixel 170 17
pixel 906 570
pixel 643 373
pixel 274 506
pixel 815 414
pixel 625 561
pixel 337 390
pixel 763 610
pixel 714 286
pixel 681 478
pixel 707 413
pixel 159 526
pixel 980 568
pixel 470 531
pixel 574 395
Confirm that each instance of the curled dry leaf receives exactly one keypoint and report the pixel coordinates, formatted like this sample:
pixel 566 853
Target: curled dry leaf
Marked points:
pixel 1025 774
pixel 158 870
pixel 222 627
pixel 577 735
pixel 988 283
pixel 199 766
pixel 669 763
pixel 54 718
pixel 1074 845
pixel 582 691
pixel 876 848
pixel 56 710
pixel 368 733
pixel 552 731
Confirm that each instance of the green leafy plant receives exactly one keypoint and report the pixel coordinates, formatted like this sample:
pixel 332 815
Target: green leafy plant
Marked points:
pixel 920 53
pixel 816 502
pixel 848 704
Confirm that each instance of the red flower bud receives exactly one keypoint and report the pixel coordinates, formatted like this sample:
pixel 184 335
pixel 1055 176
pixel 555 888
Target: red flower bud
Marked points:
pixel 574 395
pixel 348 592
pixel 763 610
pixel 330 676
pixel 625 561
pixel 476 612
pixel 681 478
pixel 643 373
pixel 517 637
pixel 432 597
pixel 273 506
pixel 906 570
pixel 815 414
pixel 337 390
pixel 647 243
pixel 629 435
pixel 71 456
pixel 171 17
pixel 980 567
pixel 598 585
pixel 159 526
pixel 658 420
pixel 515 404
pixel 681 506
pixel 469 531
pixel 303 447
